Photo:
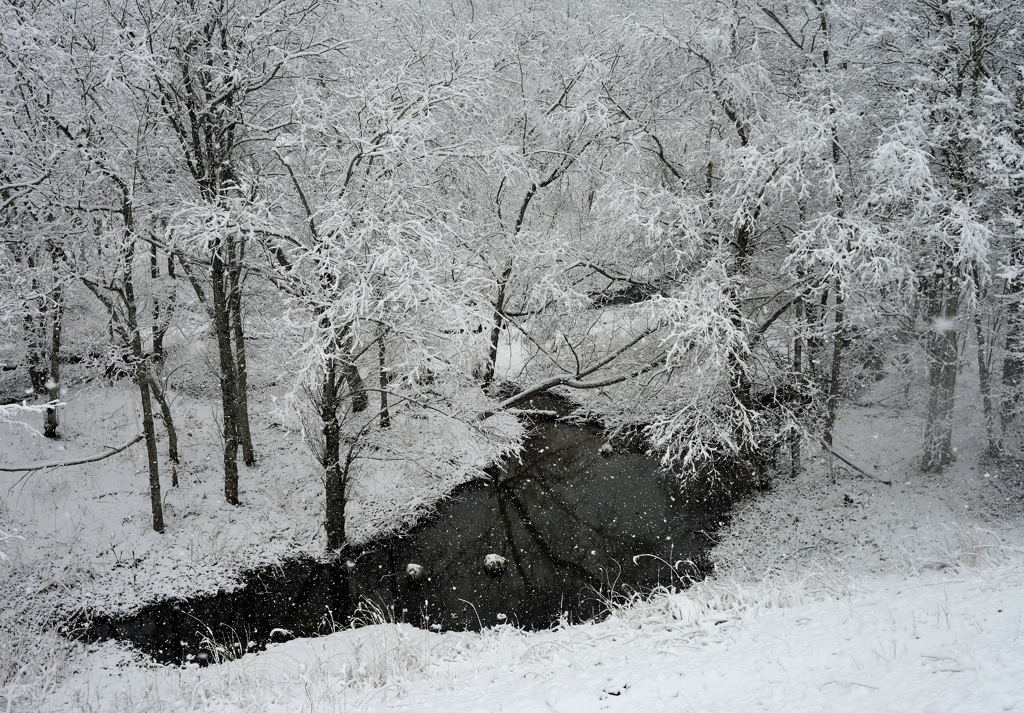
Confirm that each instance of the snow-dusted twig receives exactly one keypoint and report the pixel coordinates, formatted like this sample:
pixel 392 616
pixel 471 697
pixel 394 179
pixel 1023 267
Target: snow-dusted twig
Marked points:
pixel 852 465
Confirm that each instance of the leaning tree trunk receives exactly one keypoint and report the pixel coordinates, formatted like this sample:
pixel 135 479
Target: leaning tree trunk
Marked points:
pixel 152 457
pixel 142 379
pixel 172 433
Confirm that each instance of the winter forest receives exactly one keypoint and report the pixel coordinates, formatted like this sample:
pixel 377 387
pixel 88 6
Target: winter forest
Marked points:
pixel 479 355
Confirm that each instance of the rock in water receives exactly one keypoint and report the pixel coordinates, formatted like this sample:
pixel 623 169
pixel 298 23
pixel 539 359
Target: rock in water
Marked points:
pixel 495 564
pixel 415 572
pixel 281 635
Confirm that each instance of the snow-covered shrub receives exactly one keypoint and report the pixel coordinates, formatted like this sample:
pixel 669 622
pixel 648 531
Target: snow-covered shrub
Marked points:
pixel 34 658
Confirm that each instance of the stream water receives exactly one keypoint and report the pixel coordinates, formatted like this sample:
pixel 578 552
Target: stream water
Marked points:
pixel 574 525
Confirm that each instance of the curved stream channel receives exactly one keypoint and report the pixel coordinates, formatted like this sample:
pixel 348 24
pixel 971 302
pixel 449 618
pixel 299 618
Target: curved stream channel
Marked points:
pixel 575 526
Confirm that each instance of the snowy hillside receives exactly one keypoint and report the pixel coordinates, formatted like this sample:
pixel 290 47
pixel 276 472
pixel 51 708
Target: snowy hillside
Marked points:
pixel 646 356
pixel 891 592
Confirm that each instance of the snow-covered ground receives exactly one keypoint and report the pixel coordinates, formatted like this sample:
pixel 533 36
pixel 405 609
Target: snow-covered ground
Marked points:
pixel 941 642
pixel 836 591
pixel 81 535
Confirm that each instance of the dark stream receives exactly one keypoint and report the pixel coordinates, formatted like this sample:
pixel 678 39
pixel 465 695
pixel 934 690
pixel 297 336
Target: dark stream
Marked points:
pixel 575 526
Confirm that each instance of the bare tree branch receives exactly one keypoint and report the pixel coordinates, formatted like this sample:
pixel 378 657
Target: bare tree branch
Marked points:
pixel 65 464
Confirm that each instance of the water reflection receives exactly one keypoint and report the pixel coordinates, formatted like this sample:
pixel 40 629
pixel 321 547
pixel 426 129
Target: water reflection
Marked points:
pixel 573 524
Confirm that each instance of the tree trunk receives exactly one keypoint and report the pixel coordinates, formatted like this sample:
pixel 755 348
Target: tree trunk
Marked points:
pixel 356 387
pixel 798 378
pixel 152 457
pixel 1012 376
pixel 493 341
pixel 836 367
pixel 171 300
pixel 984 351
pixel 334 481
pixel 740 388
pixel 941 352
pixel 338 371
pixel 839 316
pixel 739 376
pixel 384 380
pixel 241 366
pixel 162 310
pixel 816 315
pixel 228 381
pixel 497 324
pixel 158 318
pixel 53 376
pixel 35 359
